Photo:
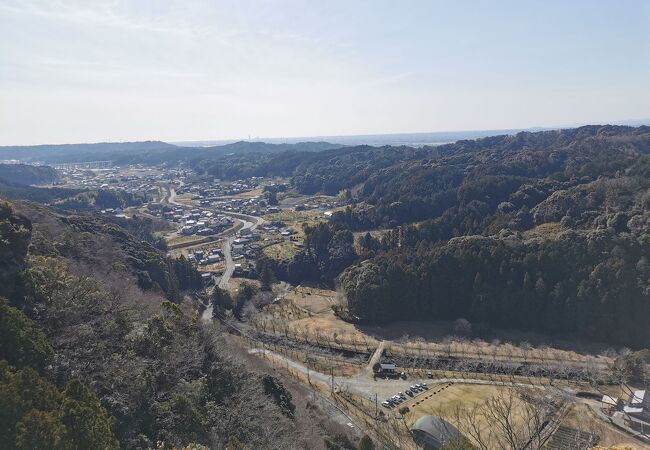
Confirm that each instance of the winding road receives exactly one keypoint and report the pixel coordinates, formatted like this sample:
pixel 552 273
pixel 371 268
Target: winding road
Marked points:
pixel 248 223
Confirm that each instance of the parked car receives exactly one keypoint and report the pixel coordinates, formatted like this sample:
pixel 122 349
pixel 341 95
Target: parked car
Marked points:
pixel 409 393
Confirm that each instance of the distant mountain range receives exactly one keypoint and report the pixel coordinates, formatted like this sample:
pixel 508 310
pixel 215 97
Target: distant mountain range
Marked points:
pixel 155 152
pixel 378 140
pixel 147 152
pixel 409 139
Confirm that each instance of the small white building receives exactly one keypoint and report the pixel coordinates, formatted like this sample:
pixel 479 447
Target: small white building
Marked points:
pixel 637 411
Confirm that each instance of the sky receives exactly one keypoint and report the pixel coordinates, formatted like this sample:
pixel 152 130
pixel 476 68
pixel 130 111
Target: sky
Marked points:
pixel 174 70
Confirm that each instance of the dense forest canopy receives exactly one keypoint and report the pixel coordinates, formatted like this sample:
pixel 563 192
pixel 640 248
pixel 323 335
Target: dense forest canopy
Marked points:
pixel 545 231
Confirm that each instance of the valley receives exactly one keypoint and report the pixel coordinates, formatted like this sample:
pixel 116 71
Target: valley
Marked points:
pixel 389 315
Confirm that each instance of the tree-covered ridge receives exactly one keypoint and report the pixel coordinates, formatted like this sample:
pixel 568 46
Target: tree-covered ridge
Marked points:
pixel 523 170
pixel 112 248
pixel 67 199
pixel 33 412
pixel 546 231
pixel 327 251
pixel 327 171
pixel 26 174
pixel 156 373
pixel 596 284
pixel 79 152
pixel 15 233
pixel 149 152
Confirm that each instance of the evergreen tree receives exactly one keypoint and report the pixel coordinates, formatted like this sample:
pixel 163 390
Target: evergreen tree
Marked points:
pixel 266 278
pixel 21 343
pixel 221 301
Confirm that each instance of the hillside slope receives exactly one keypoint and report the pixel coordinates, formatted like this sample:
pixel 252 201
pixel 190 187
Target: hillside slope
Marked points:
pixel 26 174
pixel 155 372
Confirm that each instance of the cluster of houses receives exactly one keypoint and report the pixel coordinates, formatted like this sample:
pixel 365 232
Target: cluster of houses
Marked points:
pixel 244 245
pixel 253 206
pixel 192 221
pixel 216 188
pixel 133 180
pixel 201 257
pixel 278 227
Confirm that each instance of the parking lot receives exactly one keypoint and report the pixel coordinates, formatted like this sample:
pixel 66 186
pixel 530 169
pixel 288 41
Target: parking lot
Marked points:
pixel 399 398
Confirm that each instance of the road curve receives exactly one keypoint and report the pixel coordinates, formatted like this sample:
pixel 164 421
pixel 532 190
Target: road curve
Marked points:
pixel 248 223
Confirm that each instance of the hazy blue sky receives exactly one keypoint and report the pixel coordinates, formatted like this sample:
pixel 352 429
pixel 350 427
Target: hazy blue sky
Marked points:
pixel 86 71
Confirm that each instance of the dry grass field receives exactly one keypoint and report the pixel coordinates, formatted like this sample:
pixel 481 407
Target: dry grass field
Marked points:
pixel 234 284
pixel 297 219
pixel 307 312
pixel 249 194
pixel 186 199
pixel 174 240
pixel 545 230
pixel 444 400
pixel 281 251
pixel 498 351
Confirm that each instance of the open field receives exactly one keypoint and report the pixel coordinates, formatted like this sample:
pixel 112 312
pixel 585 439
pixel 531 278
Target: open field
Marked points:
pixel 205 246
pixel 297 219
pixel 444 400
pixel 281 251
pixel 491 351
pixel 307 312
pixel 248 194
pixel 186 199
pixel 234 283
pixel 174 240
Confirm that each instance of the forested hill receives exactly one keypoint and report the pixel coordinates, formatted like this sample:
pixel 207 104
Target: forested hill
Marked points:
pixel 26 174
pixel 150 152
pixel 80 152
pixel 547 231
pixel 478 176
pixel 92 355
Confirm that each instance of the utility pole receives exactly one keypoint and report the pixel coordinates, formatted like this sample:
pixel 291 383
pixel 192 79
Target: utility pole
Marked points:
pixel 376 407
pixel 332 374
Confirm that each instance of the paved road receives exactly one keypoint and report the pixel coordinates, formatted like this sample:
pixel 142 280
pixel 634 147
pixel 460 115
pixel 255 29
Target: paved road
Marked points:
pixel 225 277
pixel 172 195
pixel 367 387
pixel 248 223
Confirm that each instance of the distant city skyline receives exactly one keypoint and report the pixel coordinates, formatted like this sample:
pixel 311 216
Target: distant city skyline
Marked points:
pixel 197 70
